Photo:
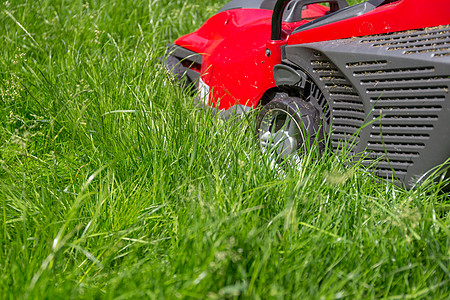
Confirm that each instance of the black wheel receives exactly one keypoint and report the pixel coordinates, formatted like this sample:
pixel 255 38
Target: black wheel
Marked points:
pixel 288 126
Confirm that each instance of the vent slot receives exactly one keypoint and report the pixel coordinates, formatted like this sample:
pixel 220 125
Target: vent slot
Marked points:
pixel 333 79
pixel 378 154
pixel 339 86
pixel 399 136
pixel 388 173
pixel 347 114
pixel 323 63
pixel 386 168
pixel 403 139
pixel 350 122
pixel 397 165
pixel 394 172
pixel 406 81
pixel 343 105
pixel 366 64
pixel 417 118
pixel 394 71
pixel 388 110
pixel 345 136
pixel 418 90
pixel 328 72
pixel 408 101
pixel 402 127
pixel 346 108
pixel 345 128
pixel 394 146
pixel 441 54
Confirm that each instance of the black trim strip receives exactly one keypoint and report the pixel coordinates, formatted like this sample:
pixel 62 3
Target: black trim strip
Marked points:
pixel 183 53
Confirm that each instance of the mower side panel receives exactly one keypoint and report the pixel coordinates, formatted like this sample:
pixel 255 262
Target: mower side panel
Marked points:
pixel 390 93
pixel 234 66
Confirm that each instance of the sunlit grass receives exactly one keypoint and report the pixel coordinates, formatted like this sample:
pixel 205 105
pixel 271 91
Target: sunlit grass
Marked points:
pixel 113 185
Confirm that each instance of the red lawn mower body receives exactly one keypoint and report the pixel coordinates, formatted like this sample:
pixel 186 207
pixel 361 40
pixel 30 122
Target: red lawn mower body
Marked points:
pixel 385 62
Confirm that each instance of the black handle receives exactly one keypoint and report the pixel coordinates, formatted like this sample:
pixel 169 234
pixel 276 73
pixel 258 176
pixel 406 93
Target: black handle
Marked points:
pixel 280 6
pixel 277 19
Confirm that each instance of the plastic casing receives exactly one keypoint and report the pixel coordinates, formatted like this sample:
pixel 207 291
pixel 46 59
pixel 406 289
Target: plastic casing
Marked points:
pixel 234 43
pixel 384 75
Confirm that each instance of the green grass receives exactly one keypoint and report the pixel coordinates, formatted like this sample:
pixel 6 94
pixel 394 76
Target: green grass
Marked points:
pixel 112 185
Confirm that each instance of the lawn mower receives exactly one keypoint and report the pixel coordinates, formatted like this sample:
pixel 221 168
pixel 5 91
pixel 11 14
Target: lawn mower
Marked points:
pixel 375 75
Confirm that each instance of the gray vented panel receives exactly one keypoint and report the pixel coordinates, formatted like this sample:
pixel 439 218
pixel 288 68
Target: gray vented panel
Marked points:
pixel 429 40
pixel 346 112
pixel 399 84
pixel 406 104
pixel 339 102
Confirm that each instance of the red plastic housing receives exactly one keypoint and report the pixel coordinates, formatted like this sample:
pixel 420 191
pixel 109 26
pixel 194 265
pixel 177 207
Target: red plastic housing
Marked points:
pixel 238 55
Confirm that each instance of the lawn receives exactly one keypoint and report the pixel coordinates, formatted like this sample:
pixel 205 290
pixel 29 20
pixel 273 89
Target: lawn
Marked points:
pixel 113 185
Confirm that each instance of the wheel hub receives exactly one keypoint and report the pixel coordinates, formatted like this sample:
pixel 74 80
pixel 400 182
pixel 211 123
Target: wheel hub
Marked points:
pixel 280 133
